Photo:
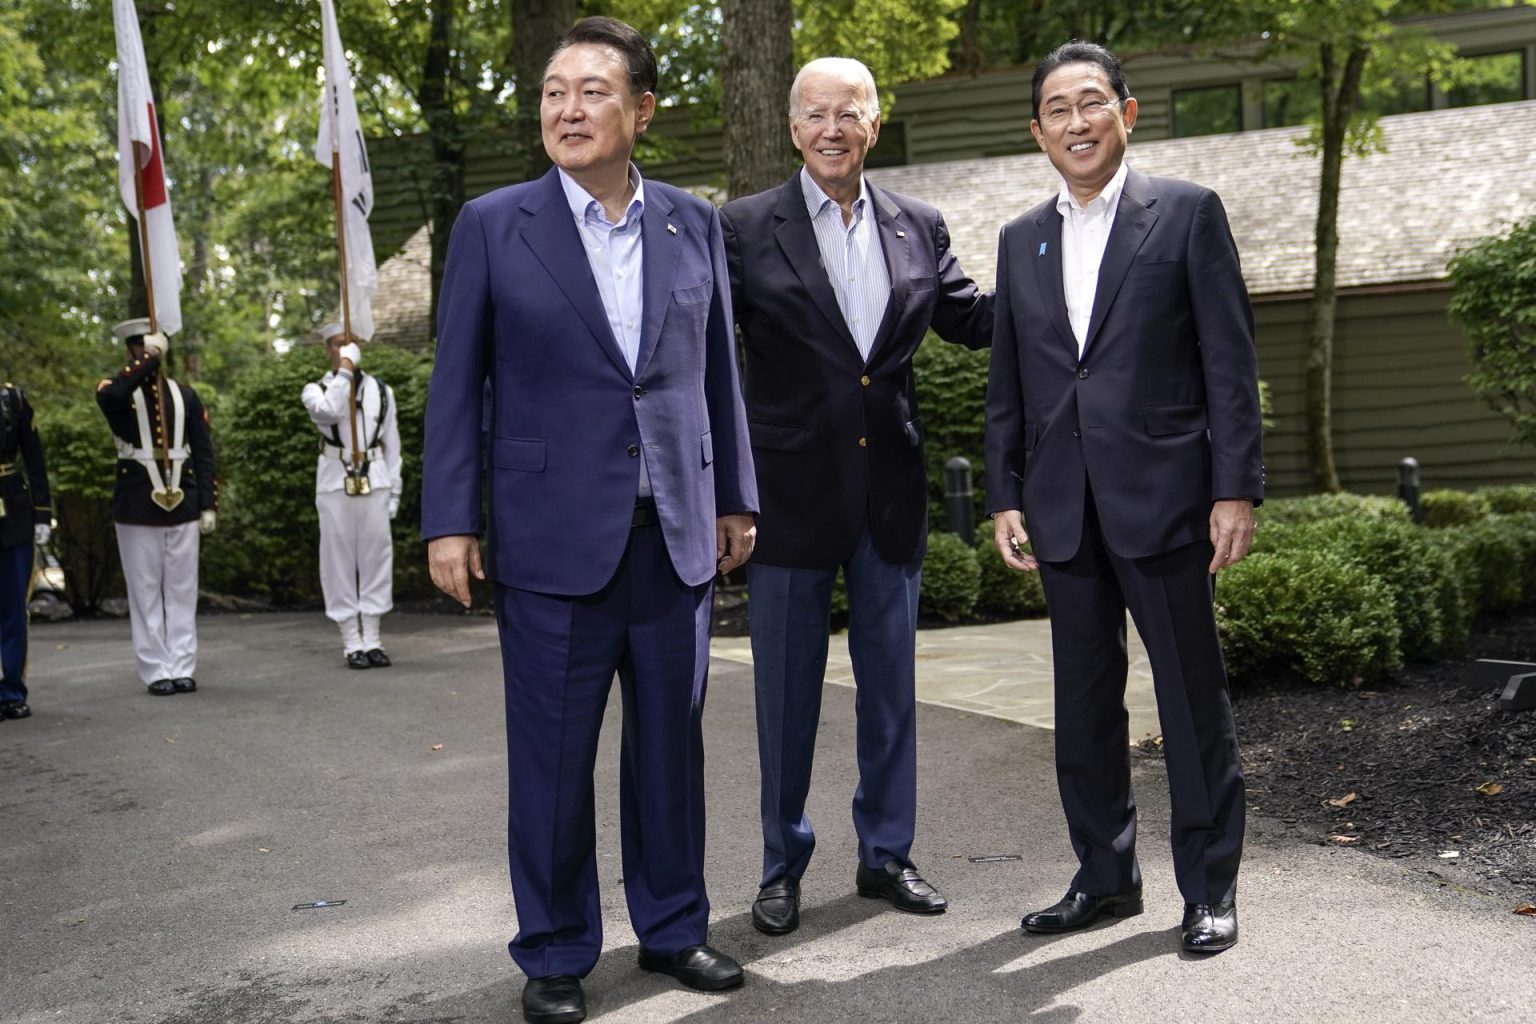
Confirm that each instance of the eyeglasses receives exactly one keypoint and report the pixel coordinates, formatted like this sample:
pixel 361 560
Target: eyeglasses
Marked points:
pixel 1091 110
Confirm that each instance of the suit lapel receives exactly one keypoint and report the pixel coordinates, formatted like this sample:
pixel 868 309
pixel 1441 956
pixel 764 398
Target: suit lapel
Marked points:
pixel 1134 218
pixel 894 235
pixel 797 239
pixel 550 232
pixel 1046 253
pixel 662 243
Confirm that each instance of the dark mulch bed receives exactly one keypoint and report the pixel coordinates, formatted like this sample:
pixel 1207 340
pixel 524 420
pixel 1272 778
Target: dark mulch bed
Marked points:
pixel 1395 770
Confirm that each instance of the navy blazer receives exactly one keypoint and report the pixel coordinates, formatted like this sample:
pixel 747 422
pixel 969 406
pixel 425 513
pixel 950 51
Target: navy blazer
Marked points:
pixel 1161 413
pixel 838 442
pixel 519 306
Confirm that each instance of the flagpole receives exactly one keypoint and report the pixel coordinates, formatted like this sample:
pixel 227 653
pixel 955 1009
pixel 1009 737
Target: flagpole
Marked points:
pixel 346 305
pixel 162 453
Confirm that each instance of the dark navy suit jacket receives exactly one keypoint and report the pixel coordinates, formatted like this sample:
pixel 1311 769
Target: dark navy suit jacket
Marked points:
pixel 1161 412
pixel 519 306
pixel 839 442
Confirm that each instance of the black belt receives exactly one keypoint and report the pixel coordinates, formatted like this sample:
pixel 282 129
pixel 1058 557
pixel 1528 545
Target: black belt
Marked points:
pixel 645 514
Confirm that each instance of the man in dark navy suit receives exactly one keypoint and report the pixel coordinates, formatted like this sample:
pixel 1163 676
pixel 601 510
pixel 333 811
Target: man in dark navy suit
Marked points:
pixel 1123 426
pixel 835 283
pixel 598 306
pixel 26 523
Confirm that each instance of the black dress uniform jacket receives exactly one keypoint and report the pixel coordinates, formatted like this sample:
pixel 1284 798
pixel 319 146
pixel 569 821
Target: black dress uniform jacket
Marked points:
pixel 23 480
pixel 131 503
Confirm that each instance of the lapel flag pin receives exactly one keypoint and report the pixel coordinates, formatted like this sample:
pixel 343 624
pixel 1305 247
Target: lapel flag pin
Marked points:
pixel 901 234
pixel 671 229
pixel 1042 250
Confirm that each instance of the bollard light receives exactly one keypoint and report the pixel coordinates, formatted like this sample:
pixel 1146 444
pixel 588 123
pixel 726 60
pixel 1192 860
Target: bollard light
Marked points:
pixel 1408 487
pixel 959 509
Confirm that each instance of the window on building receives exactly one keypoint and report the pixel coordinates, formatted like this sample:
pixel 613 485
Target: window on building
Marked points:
pixel 1289 101
pixel 891 148
pixel 1211 111
pixel 1496 78
pixel 1397 98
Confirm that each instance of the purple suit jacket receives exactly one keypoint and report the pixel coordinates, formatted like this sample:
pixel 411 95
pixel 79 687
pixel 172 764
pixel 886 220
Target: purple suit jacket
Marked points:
pixel 519 307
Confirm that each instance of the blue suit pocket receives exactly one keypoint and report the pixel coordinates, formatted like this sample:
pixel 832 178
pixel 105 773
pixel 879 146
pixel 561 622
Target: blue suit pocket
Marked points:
pixel 783 437
pixel 518 453
pixel 707 446
pixel 693 293
pixel 1175 419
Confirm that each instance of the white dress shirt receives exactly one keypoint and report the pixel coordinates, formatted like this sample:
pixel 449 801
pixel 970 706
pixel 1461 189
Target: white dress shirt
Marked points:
pixel 853 258
pixel 617 256
pixel 1084 233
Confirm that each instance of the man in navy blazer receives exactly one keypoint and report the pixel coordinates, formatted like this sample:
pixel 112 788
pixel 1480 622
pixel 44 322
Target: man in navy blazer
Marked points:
pixel 835 282
pixel 597 306
pixel 1123 420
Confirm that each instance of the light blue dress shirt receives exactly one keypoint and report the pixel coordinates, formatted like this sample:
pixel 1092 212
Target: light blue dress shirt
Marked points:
pixel 616 254
pixel 853 258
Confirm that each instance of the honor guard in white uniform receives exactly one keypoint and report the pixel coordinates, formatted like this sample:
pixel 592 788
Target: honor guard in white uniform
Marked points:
pixel 357 493
pixel 164 499
pixel 26 521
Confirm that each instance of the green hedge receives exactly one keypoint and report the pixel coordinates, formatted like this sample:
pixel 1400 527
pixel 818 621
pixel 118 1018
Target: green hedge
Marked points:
pixel 1317 613
pixel 1444 508
pixel 1005 593
pixel 1507 498
pixel 951 579
pixel 1320 507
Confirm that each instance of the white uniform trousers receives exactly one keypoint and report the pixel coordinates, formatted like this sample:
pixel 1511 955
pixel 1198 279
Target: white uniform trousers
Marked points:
pixel 357 556
pixel 160 567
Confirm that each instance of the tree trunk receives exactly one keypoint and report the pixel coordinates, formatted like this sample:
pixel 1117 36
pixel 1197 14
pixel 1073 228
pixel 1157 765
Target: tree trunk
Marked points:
pixel 756 70
pixel 537 26
pixel 970 58
pixel 447 134
pixel 1340 94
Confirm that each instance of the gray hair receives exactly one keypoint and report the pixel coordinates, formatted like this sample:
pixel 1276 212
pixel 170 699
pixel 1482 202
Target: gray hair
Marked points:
pixel 849 70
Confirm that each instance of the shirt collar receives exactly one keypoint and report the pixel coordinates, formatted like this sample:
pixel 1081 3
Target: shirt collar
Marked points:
pixel 816 200
pixel 1066 202
pixel 582 203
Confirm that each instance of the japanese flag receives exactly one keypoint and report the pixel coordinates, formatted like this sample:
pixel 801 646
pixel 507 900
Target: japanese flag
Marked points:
pixel 341 134
pixel 138 146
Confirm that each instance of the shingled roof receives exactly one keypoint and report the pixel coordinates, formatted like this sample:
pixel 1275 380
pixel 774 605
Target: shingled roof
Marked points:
pixel 1445 179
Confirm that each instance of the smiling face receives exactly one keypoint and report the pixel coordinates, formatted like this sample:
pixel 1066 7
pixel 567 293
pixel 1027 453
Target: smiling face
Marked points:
pixel 589 116
pixel 833 129
pixel 1083 127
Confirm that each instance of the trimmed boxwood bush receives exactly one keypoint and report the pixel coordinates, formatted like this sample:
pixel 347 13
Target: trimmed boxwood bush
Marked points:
pixel 1316 507
pixel 1490 557
pixel 1444 508
pixel 1005 593
pixel 1506 498
pixel 951 579
pixel 1314 612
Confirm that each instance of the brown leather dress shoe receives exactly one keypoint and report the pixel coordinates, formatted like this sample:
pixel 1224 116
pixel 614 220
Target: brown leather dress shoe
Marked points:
pixel 1079 910
pixel 902 885
pixel 1209 927
pixel 777 908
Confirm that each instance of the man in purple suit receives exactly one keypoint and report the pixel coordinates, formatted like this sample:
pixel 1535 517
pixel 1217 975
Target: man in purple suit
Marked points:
pixel 598 307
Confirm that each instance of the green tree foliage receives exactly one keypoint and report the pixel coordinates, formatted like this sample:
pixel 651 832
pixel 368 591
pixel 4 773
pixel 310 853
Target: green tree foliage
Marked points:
pixel 1495 303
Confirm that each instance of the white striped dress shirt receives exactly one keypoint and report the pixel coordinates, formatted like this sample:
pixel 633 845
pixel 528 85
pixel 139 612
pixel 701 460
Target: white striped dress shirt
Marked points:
pixel 1084 234
pixel 853 259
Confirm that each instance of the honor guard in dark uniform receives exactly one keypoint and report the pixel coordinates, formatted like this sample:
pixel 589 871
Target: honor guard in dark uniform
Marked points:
pixel 356 497
pixel 163 501
pixel 26 521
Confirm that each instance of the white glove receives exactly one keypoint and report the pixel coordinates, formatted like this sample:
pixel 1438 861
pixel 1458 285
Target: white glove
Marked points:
pixel 156 344
pixel 394 504
pixel 352 352
pixel 207 521
pixel 41 533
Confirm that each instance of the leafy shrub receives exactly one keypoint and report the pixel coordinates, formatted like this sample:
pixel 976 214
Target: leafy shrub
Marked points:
pixel 1520 527
pixel 1315 507
pixel 1005 593
pixel 1494 301
pixel 1489 556
pixel 952 399
pixel 1444 508
pixel 951 579
pixel 1506 498
pixel 1314 612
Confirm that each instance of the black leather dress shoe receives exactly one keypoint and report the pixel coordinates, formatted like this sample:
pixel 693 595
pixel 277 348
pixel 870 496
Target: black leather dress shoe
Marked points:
pixel 1209 927
pixel 554 1000
pixel 902 885
pixel 702 967
pixel 186 684
pixel 777 909
pixel 377 658
pixel 162 688
pixel 357 659
pixel 1079 910
pixel 14 709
